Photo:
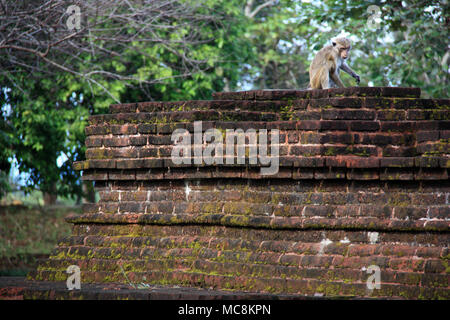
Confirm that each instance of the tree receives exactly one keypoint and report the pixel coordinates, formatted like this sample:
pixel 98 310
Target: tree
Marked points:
pixel 135 50
pixel 406 46
pixel 276 33
pixel 401 43
pixel 6 153
pixel 124 51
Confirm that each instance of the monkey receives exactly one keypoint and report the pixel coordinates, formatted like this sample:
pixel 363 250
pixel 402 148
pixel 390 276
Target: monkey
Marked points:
pixel 324 69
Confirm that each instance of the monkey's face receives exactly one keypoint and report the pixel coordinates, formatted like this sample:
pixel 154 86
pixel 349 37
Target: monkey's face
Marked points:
pixel 342 46
pixel 344 52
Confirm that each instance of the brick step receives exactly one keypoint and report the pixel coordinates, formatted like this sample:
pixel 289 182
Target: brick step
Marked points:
pixel 433 169
pixel 289 137
pixel 283 94
pixel 342 167
pixel 357 156
pixel 323 125
pixel 300 206
pixel 427 240
pixel 367 201
pixel 231 268
pixel 283 106
pixel 433 193
pixel 266 222
pixel 51 290
pixel 340 247
pixel 282 114
pixel 355 257
pixel 260 284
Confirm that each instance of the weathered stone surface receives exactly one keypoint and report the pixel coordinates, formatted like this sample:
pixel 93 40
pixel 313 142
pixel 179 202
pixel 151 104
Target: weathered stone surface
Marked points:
pixel 362 180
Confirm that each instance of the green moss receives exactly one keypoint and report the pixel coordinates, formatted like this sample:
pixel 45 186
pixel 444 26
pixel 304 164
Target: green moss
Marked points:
pixel 287 112
pixel 330 151
pixel 399 200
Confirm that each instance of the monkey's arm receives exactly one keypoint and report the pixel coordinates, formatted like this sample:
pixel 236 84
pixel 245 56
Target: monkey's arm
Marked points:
pixel 349 70
pixel 335 77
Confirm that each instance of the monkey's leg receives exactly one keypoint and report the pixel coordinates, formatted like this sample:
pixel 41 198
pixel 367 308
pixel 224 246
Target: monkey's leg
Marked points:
pixel 337 80
pixel 332 84
pixel 324 80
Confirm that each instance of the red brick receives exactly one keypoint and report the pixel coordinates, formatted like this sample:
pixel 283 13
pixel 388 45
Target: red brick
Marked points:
pixel 147 152
pixel 122 175
pixel 329 174
pixel 361 174
pixel 403 126
pixel 335 114
pixel 424 136
pixel 302 173
pixel 353 162
pixel 364 125
pixel 435 266
pixel 306 151
pixel 308 125
pixel 430 174
pixel 138 140
pixel 336 137
pixel 102 164
pixel 97 130
pixel 123 129
pixel 129 152
pixel 116 141
pixel 93 175
pixel 390 115
pixel 326 125
pixel 146 128
pixel 428 252
pixel 397 162
pixel 93 141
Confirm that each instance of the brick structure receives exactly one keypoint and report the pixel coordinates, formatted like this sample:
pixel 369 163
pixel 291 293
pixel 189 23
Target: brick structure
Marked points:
pixel 363 180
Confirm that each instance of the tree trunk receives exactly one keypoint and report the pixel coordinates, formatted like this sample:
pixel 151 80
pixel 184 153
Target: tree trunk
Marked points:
pixel 89 192
pixel 51 195
pixel 49 198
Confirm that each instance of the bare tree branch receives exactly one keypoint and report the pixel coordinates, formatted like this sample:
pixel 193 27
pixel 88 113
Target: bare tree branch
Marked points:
pixel 252 14
pixel 34 37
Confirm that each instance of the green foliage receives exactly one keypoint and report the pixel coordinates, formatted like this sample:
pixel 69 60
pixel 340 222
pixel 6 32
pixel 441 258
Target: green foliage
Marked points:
pixel 271 49
pixel 407 49
pixel 43 128
pixel 6 149
pixel 277 35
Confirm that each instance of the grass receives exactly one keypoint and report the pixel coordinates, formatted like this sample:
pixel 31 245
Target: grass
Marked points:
pixel 28 232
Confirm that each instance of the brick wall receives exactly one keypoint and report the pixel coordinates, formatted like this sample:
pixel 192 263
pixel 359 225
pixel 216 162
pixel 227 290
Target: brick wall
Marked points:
pixel 363 180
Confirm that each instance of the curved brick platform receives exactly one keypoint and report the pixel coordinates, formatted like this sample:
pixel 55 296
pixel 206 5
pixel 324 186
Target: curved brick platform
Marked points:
pixel 362 180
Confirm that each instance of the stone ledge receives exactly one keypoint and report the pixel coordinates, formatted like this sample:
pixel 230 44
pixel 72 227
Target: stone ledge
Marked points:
pixel 343 161
pixel 296 173
pixel 276 223
pixel 373 103
pixel 300 125
pixel 278 94
pixel 282 114
pixel 18 288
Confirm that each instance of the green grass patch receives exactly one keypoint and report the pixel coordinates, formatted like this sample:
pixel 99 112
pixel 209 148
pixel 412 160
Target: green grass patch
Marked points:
pixel 29 232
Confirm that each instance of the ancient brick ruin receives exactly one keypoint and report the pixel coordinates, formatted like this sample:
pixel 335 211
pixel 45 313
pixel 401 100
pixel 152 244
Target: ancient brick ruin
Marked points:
pixel 362 180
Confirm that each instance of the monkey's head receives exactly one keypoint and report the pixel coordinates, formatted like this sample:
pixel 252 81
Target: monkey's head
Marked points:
pixel 342 47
